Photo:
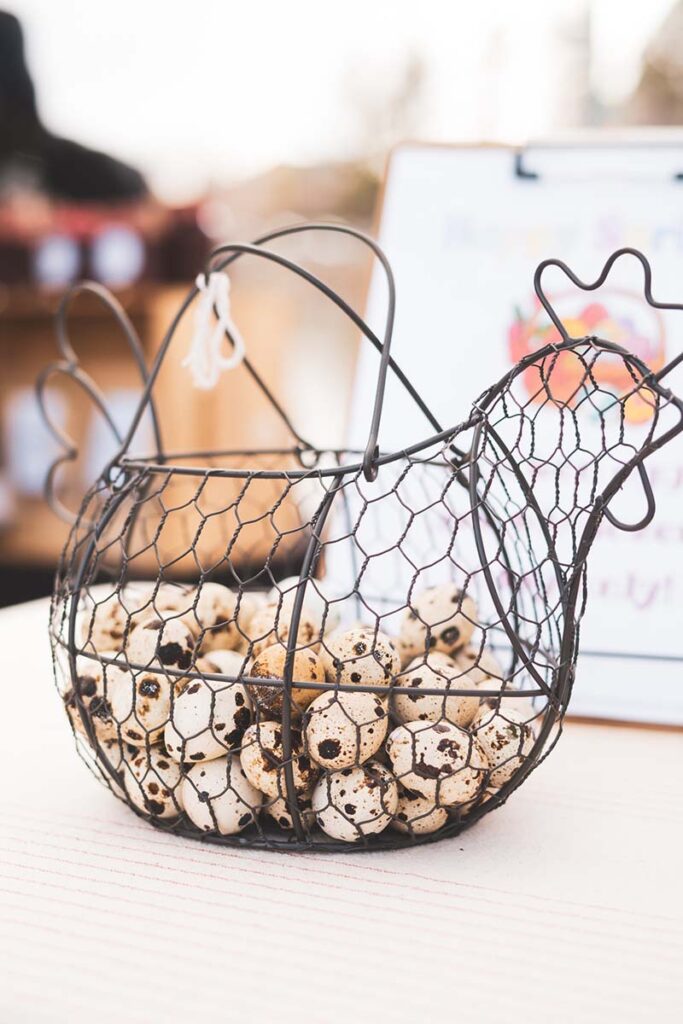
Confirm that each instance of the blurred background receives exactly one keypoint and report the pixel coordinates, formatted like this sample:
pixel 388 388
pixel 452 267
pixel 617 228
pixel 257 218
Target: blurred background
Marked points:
pixel 135 137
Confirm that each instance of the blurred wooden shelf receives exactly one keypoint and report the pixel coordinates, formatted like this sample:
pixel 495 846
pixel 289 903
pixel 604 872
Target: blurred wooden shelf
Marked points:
pixel 35 537
pixel 233 415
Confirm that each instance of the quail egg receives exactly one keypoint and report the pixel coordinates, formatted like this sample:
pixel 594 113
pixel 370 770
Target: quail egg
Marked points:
pixel 269 626
pixel 152 598
pixel 91 687
pixel 211 618
pixel 482 666
pixel 153 783
pixel 344 728
pixel 463 810
pixel 278 809
pixel 101 621
pixel 435 672
pixel 247 603
pixel 355 802
pixel 140 703
pixel 506 738
pixel 418 815
pixel 116 752
pixel 270 664
pixel 262 758
pixel 316 606
pixel 168 643
pixel 440 618
pixel 218 797
pixel 438 760
pixel 209 716
pixel 360 656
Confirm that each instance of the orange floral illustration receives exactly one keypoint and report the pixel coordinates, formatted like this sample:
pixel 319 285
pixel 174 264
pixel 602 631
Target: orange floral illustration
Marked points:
pixel 560 377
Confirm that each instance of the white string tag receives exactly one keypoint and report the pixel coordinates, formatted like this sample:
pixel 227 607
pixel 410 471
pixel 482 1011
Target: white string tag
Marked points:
pixel 213 320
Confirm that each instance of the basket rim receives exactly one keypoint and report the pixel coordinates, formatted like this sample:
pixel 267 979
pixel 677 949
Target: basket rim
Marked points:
pixel 152 463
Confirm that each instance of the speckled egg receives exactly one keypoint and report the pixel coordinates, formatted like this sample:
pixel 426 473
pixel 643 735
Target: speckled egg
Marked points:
pixel 269 626
pixel 360 656
pixel 463 810
pixel 226 663
pixel 140 703
pixel 117 752
pixel 261 628
pixel 270 664
pixel 482 666
pixel 278 810
pixel 108 747
pixel 485 668
pixel 218 797
pixel 110 608
pixel 212 618
pixel 440 618
pixel 355 802
pixel 435 672
pixel 439 761
pixel 344 729
pixel 262 759
pixel 418 815
pixel 154 598
pixel 101 621
pixel 247 604
pixel 506 738
pixel 316 604
pixel 91 687
pixel 157 642
pixel 153 783
pixel 208 717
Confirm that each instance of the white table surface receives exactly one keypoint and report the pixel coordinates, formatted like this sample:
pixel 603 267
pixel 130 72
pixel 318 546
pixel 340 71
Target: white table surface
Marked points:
pixel 564 905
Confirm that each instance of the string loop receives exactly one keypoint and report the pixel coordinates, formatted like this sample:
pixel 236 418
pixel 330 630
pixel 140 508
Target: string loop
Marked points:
pixel 213 322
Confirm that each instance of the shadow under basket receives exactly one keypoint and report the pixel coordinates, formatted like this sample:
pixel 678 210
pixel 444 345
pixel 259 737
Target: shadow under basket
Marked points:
pixel 417 666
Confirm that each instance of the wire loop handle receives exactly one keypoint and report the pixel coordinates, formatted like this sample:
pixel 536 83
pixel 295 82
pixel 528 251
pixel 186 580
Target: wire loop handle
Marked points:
pixel 231 252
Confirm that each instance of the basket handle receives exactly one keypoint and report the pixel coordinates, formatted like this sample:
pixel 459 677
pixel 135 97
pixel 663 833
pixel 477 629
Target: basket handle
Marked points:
pixel 68 366
pixel 589 286
pixel 227 254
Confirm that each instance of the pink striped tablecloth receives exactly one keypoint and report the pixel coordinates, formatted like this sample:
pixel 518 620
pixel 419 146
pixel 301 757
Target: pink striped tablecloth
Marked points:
pixel 565 905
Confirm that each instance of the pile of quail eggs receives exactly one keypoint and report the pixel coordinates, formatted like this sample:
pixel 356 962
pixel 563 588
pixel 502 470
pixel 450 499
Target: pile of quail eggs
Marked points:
pixel 177 689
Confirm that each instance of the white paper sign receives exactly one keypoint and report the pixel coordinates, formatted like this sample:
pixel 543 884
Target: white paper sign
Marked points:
pixel 464 234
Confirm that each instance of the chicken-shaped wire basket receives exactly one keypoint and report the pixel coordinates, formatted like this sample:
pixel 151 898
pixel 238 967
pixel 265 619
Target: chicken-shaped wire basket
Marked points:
pixel 417 666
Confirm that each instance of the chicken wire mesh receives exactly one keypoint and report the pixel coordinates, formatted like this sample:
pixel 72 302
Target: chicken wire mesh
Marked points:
pixel 417 664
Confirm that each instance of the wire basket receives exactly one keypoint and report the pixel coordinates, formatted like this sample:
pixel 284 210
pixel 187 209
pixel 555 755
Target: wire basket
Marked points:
pixel 417 664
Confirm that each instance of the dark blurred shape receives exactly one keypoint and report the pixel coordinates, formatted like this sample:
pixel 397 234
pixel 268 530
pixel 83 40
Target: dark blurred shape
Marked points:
pixel 68 212
pixel 31 155
pixel 182 248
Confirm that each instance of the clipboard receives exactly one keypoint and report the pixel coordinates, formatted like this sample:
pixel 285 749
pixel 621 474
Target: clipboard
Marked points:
pixel 464 229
